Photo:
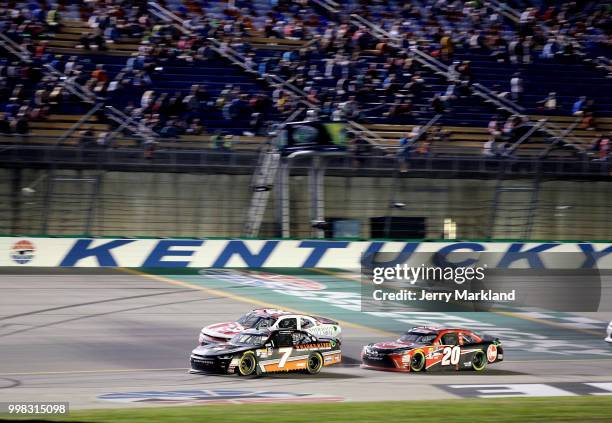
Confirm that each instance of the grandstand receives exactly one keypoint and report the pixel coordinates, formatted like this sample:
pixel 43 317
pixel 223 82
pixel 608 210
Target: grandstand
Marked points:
pixel 462 89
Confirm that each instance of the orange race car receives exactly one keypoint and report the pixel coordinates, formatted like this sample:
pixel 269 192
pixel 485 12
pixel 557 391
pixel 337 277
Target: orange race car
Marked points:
pixel 428 349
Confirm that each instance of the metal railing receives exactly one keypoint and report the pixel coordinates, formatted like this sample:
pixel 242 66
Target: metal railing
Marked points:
pixel 168 156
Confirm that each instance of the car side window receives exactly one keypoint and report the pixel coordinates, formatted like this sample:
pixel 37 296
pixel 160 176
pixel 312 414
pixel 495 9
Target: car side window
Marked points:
pixel 467 339
pixel 289 323
pixel 264 323
pixel 305 323
pixel 300 338
pixel 450 339
pixel 283 340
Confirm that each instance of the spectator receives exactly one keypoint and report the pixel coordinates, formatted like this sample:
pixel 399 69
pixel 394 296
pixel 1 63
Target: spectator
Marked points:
pixel 494 128
pixel 516 86
pixel 550 102
pixel 99 74
pixel 488 149
pixel 446 47
pixel 577 108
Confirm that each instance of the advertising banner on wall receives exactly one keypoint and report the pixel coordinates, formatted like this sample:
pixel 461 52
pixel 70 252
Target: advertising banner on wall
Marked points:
pixel 218 253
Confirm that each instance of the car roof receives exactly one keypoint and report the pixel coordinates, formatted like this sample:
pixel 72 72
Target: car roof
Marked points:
pixel 268 331
pixel 270 312
pixel 427 330
pixel 262 332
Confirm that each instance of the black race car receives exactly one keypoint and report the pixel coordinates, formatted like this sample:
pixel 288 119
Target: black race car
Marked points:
pixel 427 349
pixel 263 351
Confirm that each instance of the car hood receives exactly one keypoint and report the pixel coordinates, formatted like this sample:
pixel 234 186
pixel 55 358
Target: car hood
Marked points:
pixel 223 330
pixel 220 349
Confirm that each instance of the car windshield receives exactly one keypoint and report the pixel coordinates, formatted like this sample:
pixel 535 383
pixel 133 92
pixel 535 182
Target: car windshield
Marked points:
pixel 418 338
pixel 245 339
pixel 255 321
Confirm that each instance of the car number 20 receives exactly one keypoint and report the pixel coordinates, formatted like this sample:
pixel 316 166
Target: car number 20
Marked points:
pixel 451 355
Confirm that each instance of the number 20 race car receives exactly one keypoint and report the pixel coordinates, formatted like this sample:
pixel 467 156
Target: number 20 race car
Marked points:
pixel 265 351
pixel 271 319
pixel 433 349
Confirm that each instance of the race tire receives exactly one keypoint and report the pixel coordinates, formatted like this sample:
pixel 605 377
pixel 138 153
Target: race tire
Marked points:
pixel 479 361
pixel 314 363
pixel 417 362
pixel 247 366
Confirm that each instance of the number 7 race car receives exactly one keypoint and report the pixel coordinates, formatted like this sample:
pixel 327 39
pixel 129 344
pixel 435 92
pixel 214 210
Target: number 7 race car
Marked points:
pixel 426 349
pixel 271 319
pixel 263 351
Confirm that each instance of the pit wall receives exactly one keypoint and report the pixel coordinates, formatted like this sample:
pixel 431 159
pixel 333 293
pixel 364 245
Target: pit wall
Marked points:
pixel 108 252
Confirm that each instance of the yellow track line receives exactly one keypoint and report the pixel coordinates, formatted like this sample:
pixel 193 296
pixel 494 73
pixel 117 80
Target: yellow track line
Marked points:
pixel 245 300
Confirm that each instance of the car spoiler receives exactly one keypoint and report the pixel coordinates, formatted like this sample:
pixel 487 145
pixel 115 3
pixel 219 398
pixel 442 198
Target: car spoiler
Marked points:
pixel 325 320
pixel 490 338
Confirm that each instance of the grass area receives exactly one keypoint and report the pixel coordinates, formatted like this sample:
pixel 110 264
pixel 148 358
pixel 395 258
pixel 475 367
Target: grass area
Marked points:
pixel 557 409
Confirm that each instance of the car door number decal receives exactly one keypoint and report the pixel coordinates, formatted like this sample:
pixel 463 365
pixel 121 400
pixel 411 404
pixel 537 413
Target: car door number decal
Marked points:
pixel 286 352
pixel 451 355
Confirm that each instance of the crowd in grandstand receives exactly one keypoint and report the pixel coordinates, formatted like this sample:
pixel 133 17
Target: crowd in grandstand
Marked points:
pixel 332 69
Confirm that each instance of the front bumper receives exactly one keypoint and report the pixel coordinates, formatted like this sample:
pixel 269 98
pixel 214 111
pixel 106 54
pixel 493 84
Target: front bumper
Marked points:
pixel 381 362
pixel 204 364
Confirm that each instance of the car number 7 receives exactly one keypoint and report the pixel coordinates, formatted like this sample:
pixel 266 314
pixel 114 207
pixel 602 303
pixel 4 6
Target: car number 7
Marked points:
pixel 286 352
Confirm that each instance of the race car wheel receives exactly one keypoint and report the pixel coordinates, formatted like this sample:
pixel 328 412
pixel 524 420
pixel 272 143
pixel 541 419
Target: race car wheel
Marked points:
pixel 247 365
pixel 314 363
pixel 417 362
pixel 479 361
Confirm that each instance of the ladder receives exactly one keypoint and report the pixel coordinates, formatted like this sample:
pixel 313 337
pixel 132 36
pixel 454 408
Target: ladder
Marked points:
pixel 261 186
pixel 514 208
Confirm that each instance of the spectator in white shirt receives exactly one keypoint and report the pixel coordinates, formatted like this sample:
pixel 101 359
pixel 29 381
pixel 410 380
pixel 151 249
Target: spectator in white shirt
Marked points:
pixel 516 86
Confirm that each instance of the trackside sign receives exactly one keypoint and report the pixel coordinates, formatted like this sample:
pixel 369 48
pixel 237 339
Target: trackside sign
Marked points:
pixel 203 253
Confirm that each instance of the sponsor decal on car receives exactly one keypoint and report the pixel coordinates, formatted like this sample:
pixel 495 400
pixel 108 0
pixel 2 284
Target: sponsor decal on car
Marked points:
pixel 315 346
pixel 492 353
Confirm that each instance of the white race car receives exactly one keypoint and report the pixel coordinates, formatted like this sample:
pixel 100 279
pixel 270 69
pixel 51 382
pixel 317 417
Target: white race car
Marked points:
pixel 608 338
pixel 273 319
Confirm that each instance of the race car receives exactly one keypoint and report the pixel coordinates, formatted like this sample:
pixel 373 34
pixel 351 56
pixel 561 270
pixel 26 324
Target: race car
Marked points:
pixel 272 319
pixel 434 349
pixel 255 352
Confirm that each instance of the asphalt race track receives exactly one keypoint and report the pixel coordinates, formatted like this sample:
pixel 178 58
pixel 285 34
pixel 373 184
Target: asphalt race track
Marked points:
pixel 122 338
